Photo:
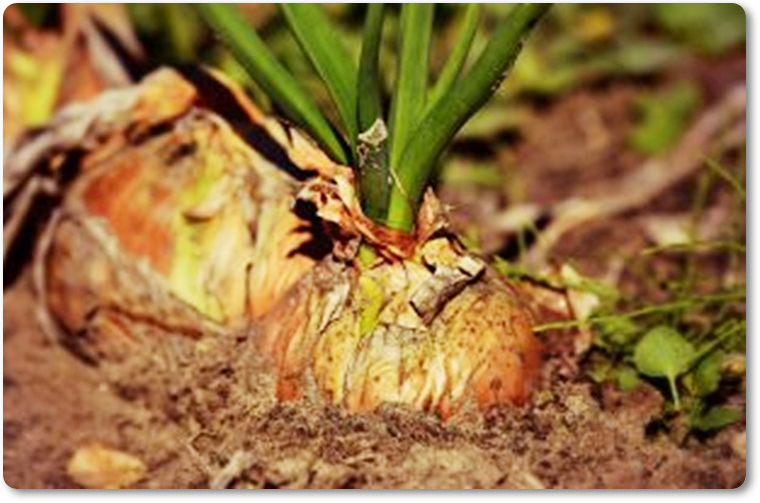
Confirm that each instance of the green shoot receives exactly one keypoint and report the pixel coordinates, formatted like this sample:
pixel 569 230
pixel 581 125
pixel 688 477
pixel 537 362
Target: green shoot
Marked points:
pixel 273 78
pixel 439 126
pixel 689 277
pixel 372 152
pixel 408 103
pixel 320 42
pixel 394 159
pixel 733 247
pixel 645 311
pixel 458 57
pixel 737 185
pixel 369 104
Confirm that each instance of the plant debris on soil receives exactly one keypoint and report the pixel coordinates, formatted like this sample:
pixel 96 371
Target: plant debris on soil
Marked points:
pixel 184 413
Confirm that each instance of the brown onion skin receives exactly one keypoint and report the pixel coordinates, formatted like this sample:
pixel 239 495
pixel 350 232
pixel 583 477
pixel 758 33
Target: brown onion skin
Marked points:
pixel 483 339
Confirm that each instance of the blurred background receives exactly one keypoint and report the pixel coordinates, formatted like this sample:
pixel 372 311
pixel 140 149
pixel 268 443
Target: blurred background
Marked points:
pixel 598 90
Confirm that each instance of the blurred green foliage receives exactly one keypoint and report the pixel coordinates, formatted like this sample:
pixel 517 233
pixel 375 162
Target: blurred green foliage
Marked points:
pixel 39 15
pixel 575 44
pixel 663 117
pixel 172 32
pixel 663 352
pixel 713 28
pixel 589 41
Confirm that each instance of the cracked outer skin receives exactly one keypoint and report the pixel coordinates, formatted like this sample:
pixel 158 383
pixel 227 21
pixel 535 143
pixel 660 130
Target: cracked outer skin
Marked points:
pixel 189 229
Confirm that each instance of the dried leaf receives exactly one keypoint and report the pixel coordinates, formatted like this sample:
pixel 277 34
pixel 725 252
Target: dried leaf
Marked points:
pixel 97 467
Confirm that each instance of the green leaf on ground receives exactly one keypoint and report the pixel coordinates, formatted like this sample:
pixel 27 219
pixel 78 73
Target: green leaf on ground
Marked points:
pixel 663 352
pixel 716 418
pixel 628 379
pixel 600 371
pixel 615 333
pixel 706 375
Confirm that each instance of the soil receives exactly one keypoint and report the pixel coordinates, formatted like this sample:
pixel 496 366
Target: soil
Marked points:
pixel 208 418
pixel 187 418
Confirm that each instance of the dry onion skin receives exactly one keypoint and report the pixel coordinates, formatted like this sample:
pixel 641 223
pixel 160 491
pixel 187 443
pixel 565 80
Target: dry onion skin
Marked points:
pixel 209 226
pixel 365 340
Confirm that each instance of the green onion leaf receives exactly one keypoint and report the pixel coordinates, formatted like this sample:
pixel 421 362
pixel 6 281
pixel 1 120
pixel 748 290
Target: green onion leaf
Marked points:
pixel 372 152
pixel 370 93
pixel 458 56
pixel 464 99
pixel 274 79
pixel 320 41
pixel 408 102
